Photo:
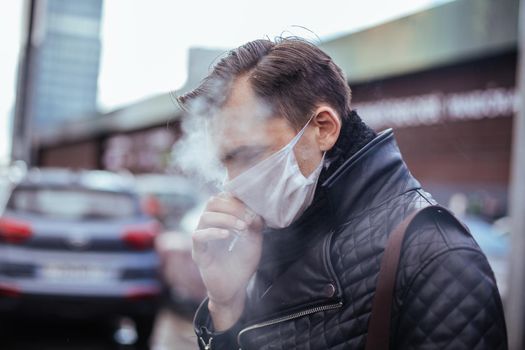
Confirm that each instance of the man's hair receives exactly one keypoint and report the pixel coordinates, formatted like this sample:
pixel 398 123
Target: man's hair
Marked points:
pixel 290 74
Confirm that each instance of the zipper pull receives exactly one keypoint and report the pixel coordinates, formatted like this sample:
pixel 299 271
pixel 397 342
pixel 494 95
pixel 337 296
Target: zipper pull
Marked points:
pixel 206 346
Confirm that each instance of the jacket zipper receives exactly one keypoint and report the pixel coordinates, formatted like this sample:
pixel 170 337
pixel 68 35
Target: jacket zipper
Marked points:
pixel 287 318
pixel 206 346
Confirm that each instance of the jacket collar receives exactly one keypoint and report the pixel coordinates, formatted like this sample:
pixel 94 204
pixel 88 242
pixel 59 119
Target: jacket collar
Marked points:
pixel 371 176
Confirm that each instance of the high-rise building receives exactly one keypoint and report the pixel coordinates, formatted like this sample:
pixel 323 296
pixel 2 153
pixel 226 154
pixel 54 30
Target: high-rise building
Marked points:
pixel 65 64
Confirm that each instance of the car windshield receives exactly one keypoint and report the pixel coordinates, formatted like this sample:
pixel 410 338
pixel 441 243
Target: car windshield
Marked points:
pixel 73 203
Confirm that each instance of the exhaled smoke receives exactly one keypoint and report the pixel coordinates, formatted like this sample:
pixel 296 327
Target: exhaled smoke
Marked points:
pixel 206 128
pixel 194 154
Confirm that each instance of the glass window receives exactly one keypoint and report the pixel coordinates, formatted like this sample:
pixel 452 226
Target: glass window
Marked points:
pixel 75 204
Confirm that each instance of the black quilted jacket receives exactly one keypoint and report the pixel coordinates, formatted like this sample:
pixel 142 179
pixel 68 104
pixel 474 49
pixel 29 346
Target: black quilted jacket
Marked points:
pixel 445 298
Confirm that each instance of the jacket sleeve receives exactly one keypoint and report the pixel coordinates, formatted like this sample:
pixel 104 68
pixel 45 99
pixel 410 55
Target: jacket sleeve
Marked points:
pixel 207 338
pixel 452 303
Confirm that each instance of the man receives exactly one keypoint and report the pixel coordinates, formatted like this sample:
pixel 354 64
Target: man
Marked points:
pixel 290 251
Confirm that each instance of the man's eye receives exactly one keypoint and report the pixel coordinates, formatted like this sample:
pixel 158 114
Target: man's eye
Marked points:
pixel 245 158
pixel 252 157
pixel 228 159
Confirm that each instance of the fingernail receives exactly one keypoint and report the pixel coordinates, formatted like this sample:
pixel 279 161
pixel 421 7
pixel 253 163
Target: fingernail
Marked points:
pixel 241 225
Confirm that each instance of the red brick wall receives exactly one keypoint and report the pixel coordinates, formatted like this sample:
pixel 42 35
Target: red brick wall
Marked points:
pixel 475 152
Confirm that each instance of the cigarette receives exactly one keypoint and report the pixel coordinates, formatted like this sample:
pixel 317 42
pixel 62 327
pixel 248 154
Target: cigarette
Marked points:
pixel 249 217
pixel 234 241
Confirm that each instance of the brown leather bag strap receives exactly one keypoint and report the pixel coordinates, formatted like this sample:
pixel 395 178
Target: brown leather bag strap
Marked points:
pixel 378 337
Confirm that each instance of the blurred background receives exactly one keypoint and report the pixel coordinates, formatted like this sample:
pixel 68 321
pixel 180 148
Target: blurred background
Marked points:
pixel 95 217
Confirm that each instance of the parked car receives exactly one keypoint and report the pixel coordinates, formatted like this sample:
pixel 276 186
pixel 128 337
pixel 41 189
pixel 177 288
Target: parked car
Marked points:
pixel 179 272
pixel 4 192
pixel 78 245
pixel 9 174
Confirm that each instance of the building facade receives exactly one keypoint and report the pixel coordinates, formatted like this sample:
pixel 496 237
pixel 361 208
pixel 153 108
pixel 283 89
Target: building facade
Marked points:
pixel 65 63
pixel 443 79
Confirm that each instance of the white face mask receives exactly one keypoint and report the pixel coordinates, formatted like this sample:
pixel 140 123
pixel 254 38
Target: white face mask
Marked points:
pixel 275 188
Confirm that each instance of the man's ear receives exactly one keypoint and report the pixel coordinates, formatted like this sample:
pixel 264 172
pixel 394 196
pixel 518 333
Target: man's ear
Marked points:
pixel 328 126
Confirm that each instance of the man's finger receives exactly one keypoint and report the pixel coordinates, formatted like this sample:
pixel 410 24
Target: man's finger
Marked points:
pixel 201 240
pixel 209 234
pixel 221 220
pixel 225 203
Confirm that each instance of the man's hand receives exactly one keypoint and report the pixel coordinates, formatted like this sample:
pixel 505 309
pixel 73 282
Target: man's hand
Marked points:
pixel 226 273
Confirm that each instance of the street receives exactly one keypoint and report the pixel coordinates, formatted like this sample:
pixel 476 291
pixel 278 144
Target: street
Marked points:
pixel 172 331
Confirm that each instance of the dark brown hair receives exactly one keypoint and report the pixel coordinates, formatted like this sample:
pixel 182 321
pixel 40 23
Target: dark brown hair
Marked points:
pixel 292 75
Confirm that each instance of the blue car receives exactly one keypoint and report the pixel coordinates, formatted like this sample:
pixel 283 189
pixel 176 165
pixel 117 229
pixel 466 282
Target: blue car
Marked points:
pixel 77 245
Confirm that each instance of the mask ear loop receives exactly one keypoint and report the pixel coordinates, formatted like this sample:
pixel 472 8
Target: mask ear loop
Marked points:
pixel 300 133
pixel 296 139
pixel 319 168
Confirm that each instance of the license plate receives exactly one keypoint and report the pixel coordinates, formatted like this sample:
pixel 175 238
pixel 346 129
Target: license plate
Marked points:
pixel 76 272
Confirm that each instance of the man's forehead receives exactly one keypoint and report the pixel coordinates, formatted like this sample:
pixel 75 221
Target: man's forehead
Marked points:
pixel 246 113
pixel 241 119
pixel 242 101
pixel 230 131
pixel 238 120
pixel 245 120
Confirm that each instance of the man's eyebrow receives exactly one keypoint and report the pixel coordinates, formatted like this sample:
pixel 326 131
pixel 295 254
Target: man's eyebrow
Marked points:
pixel 236 152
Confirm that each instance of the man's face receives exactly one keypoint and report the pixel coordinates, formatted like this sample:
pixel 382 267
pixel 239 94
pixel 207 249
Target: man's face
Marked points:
pixel 245 132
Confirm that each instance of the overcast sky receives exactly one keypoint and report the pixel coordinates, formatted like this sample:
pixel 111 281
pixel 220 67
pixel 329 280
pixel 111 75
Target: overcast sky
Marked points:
pixel 145 42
